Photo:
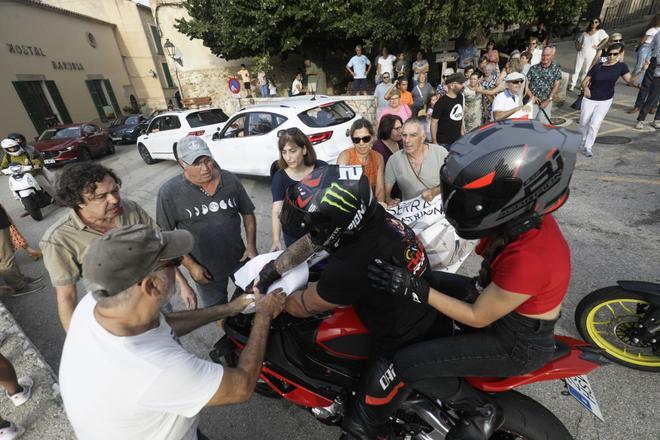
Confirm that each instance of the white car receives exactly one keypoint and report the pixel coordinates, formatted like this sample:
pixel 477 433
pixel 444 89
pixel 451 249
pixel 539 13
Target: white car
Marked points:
pixel 248 142
pixel 165 130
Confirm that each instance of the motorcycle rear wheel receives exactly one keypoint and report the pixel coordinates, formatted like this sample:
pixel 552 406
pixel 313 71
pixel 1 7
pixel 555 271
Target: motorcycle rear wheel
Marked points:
pixel 606 318
pixel 527 419
pixel 31 205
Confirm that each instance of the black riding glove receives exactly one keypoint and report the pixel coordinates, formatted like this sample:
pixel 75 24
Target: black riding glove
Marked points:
pixel 398 281
pixel 267 276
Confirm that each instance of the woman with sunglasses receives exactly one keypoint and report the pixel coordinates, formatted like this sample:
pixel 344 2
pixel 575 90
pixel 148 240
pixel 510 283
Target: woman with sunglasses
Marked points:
pixel 362 136
pixel 588 43
pixel 297 159
pixel 598 88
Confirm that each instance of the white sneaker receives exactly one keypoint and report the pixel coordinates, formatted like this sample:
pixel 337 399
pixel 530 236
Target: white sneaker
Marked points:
pixel 20 398
pixel 11 432
pixel 640 125
pixel 656 124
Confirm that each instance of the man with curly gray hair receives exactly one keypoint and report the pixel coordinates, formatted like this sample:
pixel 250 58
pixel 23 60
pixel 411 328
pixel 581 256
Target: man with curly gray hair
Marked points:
pixel 91 192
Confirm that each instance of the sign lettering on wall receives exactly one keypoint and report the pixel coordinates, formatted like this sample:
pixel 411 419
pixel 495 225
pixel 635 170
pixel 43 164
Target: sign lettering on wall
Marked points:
pixel 22 49
pixel 67 65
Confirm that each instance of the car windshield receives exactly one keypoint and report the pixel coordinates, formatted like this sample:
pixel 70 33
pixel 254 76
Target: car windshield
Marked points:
pixel 132 120
pixel 119 121
pixel 327 115
pixel 206 117
pixel 60 133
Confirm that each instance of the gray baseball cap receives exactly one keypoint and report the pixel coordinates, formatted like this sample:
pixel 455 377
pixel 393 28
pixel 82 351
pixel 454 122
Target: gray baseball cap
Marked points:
pixel 126 255
pixel 190 148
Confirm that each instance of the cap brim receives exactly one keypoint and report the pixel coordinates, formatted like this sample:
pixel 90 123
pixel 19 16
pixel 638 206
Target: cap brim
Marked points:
pixel 177 244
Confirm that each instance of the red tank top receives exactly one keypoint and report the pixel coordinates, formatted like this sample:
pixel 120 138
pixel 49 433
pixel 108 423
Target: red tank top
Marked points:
pixel 538 263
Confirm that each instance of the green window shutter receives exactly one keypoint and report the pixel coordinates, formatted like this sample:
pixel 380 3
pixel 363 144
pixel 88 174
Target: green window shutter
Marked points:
pixel 168 76
pixel 156 35
pixel 113 100
pixel 59 103
pixel 30 106
pixel 96 98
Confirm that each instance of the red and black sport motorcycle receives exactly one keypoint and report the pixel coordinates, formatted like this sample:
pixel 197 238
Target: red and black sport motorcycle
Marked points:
pixel 316 363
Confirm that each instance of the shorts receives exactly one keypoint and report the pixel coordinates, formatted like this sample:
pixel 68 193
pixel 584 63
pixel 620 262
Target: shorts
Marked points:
pixel 360 85
pixel 246 85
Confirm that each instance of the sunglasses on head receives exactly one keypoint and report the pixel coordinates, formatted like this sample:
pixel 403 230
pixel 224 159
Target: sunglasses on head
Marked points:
pixel 290 131
pixel 363 139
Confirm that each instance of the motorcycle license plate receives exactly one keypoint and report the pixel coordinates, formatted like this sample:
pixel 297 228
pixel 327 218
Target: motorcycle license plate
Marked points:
pixel 580 388
pixel 116 139
pixel 49 161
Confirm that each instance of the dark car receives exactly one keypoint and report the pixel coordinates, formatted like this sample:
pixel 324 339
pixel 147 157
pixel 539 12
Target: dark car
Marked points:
pixel 72 143
pixel 125 130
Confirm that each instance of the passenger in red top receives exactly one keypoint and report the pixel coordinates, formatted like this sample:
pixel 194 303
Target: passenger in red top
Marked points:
pixel 538 264
pixel 499 184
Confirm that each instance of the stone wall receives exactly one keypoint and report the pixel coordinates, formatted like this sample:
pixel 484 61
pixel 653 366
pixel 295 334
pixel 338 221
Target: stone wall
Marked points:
pixel 363 105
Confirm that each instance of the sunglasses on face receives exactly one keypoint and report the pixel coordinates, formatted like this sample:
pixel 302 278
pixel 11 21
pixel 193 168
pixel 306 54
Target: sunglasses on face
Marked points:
pixel 613 54
pixel 518 81
pixel 596 21
pixel 363 139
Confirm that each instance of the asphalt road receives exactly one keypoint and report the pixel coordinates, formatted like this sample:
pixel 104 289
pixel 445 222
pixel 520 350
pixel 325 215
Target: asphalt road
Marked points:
pixel 612 222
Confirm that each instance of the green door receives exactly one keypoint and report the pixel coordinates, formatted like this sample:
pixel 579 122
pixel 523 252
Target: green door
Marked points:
pixel 59 102
pixel 98 97
pixel 36 104
pixel 111 95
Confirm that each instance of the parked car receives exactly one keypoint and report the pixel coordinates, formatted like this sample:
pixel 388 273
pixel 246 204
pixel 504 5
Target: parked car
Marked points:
pixel 62 144
pixel 248 142
pixel 165 130
pixel 126 129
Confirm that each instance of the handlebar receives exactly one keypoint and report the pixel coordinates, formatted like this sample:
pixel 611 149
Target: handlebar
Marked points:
pixel 16 169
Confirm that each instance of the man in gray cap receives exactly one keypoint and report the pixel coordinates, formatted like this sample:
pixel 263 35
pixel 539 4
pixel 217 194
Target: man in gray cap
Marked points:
pixel 209 202
pixel 123 373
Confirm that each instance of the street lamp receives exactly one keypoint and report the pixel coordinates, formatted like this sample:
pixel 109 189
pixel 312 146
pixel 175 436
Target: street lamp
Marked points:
pixel 170 50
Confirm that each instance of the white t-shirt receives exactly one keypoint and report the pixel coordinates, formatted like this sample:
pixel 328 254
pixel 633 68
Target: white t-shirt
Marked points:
pixel 294 87
pixel 650 33
pixel 536 56
pixel 589 41
pixel 144 387
pixel 386 64
pixel 506 101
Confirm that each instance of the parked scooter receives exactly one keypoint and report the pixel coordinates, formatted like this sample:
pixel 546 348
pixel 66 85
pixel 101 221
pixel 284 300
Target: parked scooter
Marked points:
pixel 623 320
pixel 25 188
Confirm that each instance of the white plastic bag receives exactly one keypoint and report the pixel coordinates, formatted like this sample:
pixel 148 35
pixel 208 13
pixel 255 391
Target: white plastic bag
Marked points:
pixel 445 249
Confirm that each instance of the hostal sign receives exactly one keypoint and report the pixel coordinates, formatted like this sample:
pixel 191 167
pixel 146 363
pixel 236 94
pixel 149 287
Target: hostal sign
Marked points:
pixel 25 50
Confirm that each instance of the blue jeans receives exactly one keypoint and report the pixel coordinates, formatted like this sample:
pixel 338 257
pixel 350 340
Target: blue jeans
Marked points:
pixel 643 54
pixel 215 292
pixel 264 91
pixel 645 86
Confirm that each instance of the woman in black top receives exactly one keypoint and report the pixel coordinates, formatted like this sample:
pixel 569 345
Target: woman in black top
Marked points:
pixel 598 88
pixel 297 159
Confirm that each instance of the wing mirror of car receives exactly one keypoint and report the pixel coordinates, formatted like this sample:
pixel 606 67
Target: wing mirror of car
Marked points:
pixel 216 135
pixel 143 131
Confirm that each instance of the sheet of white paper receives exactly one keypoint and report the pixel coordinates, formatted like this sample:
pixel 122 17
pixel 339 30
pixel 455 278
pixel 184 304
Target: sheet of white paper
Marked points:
pixel 293 280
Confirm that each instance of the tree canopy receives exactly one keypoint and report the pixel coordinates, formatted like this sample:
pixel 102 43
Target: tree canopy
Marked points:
pixel 244 28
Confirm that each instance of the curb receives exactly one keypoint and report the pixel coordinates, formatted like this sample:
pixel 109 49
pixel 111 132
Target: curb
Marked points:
pixel 43 415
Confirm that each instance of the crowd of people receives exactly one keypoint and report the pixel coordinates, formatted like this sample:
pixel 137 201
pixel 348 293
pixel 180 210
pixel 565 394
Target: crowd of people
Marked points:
pixel 123 372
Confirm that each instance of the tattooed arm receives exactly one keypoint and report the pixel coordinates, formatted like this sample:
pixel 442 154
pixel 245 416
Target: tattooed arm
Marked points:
pixel 292 256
